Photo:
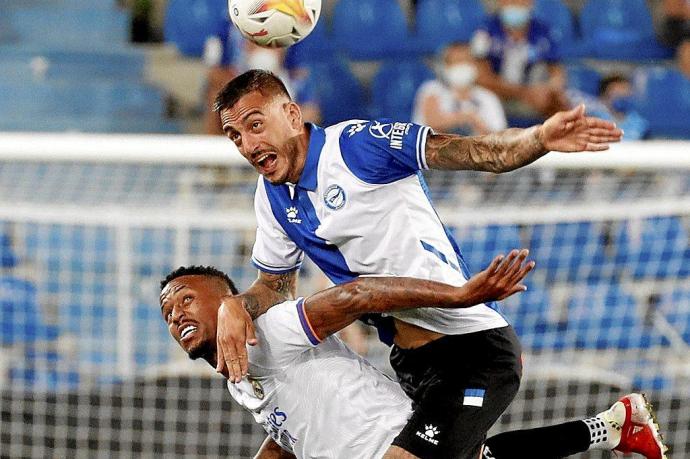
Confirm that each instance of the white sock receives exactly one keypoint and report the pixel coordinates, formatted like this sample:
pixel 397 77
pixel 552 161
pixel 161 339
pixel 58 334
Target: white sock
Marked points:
pixel 605 427
pixel 598 433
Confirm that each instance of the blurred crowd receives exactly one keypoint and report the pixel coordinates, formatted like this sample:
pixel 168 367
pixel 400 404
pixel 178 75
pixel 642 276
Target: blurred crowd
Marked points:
pixel 511 71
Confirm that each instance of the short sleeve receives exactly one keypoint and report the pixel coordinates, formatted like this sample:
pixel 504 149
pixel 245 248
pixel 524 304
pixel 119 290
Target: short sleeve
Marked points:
pixel 274 252
pixel 284 332
pixel 383 151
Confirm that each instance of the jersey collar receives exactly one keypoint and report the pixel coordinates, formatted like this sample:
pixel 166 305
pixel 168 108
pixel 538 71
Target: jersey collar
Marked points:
pixel 317 139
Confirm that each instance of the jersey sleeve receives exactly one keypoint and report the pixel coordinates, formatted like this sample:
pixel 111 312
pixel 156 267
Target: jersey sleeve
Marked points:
pixel 274 252
pixel 285 333
pixel 383 151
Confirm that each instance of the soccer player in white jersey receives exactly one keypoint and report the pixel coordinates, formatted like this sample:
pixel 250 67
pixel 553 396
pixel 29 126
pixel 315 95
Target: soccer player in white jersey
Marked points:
pixel 318 399
pixel 352 197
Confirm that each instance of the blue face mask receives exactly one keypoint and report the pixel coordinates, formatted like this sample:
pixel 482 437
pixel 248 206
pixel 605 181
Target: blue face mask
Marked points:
pixel 514 16
pixel 622 104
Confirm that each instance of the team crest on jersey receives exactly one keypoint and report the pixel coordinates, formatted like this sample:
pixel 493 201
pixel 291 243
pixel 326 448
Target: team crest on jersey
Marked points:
pixel 292 213
pixel 258 389
pixel 334 197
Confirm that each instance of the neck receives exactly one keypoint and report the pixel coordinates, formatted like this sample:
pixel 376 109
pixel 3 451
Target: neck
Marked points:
pixel 212 360
pixel 301 146
pixel 517 34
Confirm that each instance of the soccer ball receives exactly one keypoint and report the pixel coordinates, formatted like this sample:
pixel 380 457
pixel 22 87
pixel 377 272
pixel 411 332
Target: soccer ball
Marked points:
pixel 275 23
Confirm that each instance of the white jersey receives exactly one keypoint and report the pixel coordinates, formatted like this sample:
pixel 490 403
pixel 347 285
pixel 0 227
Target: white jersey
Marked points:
pixel 361 209
pixel 318 400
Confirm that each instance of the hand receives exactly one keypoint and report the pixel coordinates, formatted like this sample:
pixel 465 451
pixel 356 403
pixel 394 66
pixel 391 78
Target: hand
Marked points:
pixel 572 131
pixel 235 330
pixel 499 281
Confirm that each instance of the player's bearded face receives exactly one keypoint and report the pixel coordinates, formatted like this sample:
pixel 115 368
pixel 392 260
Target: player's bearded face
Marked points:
pixel 266 134
pixel 190 308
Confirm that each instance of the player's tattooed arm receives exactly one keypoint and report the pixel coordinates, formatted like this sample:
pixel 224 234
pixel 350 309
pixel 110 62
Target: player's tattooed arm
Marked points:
pixel 236 320
pixel 497 152
pixel 504 151
pixel 268 290
pixel 271 450
pixel 335 308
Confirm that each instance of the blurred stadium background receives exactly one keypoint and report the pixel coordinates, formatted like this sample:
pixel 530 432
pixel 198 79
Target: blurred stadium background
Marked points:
pixel 98 201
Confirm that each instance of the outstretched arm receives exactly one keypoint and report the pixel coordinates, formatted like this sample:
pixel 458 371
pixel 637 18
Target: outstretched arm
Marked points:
pixel 335 308
pixel 511 149
pixel 237 313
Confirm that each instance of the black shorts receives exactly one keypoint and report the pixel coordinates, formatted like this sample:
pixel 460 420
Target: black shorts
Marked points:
pixel 459 386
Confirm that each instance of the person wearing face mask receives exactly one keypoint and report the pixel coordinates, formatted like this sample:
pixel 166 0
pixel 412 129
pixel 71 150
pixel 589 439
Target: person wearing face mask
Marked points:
pixel 520 60
pixel 616 97
pixel 453 102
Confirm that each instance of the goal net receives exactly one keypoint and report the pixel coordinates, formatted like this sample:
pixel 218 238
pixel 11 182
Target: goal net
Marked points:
pixel 90 224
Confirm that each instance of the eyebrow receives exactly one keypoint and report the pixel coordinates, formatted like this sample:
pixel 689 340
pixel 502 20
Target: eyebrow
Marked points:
pixel 171 292
pixel 254 111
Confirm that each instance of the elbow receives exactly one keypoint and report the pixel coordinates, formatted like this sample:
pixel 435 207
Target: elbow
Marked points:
pixel 353 297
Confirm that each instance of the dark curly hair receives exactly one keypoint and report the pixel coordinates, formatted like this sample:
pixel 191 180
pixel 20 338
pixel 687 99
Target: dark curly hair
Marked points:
pixel 208 271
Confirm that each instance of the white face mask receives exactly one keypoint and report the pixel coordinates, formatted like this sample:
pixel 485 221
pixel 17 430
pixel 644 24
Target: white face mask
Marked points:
pixel 460 75
pixel 264 59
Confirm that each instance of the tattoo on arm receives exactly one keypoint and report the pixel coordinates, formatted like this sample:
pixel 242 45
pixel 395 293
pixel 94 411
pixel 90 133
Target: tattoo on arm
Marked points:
pixel 269 290
pixel 497 152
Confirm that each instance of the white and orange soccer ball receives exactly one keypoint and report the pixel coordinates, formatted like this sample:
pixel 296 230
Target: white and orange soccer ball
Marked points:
pixel 275 23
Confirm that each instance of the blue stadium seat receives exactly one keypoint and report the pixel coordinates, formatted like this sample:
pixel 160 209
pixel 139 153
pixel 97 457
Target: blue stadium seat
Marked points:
pixel 675 306
pixel 44 369
pixel 621 30
pixel 69 27
pixel 440 22
pixel 394 88
pixel 81 98
pixel 317 47
pixel 149 322
pixel 340 95
pixel 21 320
pixel 8 259
pixel 665 103
pixel 585 79
pixel 604 316
pixel 370 29
pixel 188 23
pixel 480 244
pixel 49 63
pixel 655 249
pixel 530 315
pixel 559 18
pixel 571 252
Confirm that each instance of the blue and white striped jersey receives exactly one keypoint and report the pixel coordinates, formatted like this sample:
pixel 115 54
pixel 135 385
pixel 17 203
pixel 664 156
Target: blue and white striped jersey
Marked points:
pixel 361 208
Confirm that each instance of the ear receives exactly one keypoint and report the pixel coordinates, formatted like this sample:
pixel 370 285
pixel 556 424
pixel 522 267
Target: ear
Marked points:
pixel 294 114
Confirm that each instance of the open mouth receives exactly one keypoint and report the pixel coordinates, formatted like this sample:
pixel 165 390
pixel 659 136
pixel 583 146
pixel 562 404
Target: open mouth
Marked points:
pixel 187 332
pixel 266 162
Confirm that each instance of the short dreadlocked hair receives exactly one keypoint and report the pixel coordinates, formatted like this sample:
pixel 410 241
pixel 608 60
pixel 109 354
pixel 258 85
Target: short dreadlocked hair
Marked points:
pixel 208 271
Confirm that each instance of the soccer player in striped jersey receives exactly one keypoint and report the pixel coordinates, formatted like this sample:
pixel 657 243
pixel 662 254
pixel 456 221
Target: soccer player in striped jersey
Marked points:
pixel 352 197
pixel 317 398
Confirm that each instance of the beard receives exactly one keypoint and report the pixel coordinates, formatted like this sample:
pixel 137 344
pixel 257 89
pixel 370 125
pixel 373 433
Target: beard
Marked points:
pixel 201 350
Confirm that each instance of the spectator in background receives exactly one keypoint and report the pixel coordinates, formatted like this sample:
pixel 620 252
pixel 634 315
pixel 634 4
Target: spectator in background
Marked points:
pixel 615 103
pixel 221 55
pixel 228 54
pixel 519 59
pixel 676 21
pixel 453 102
pixel 683 58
